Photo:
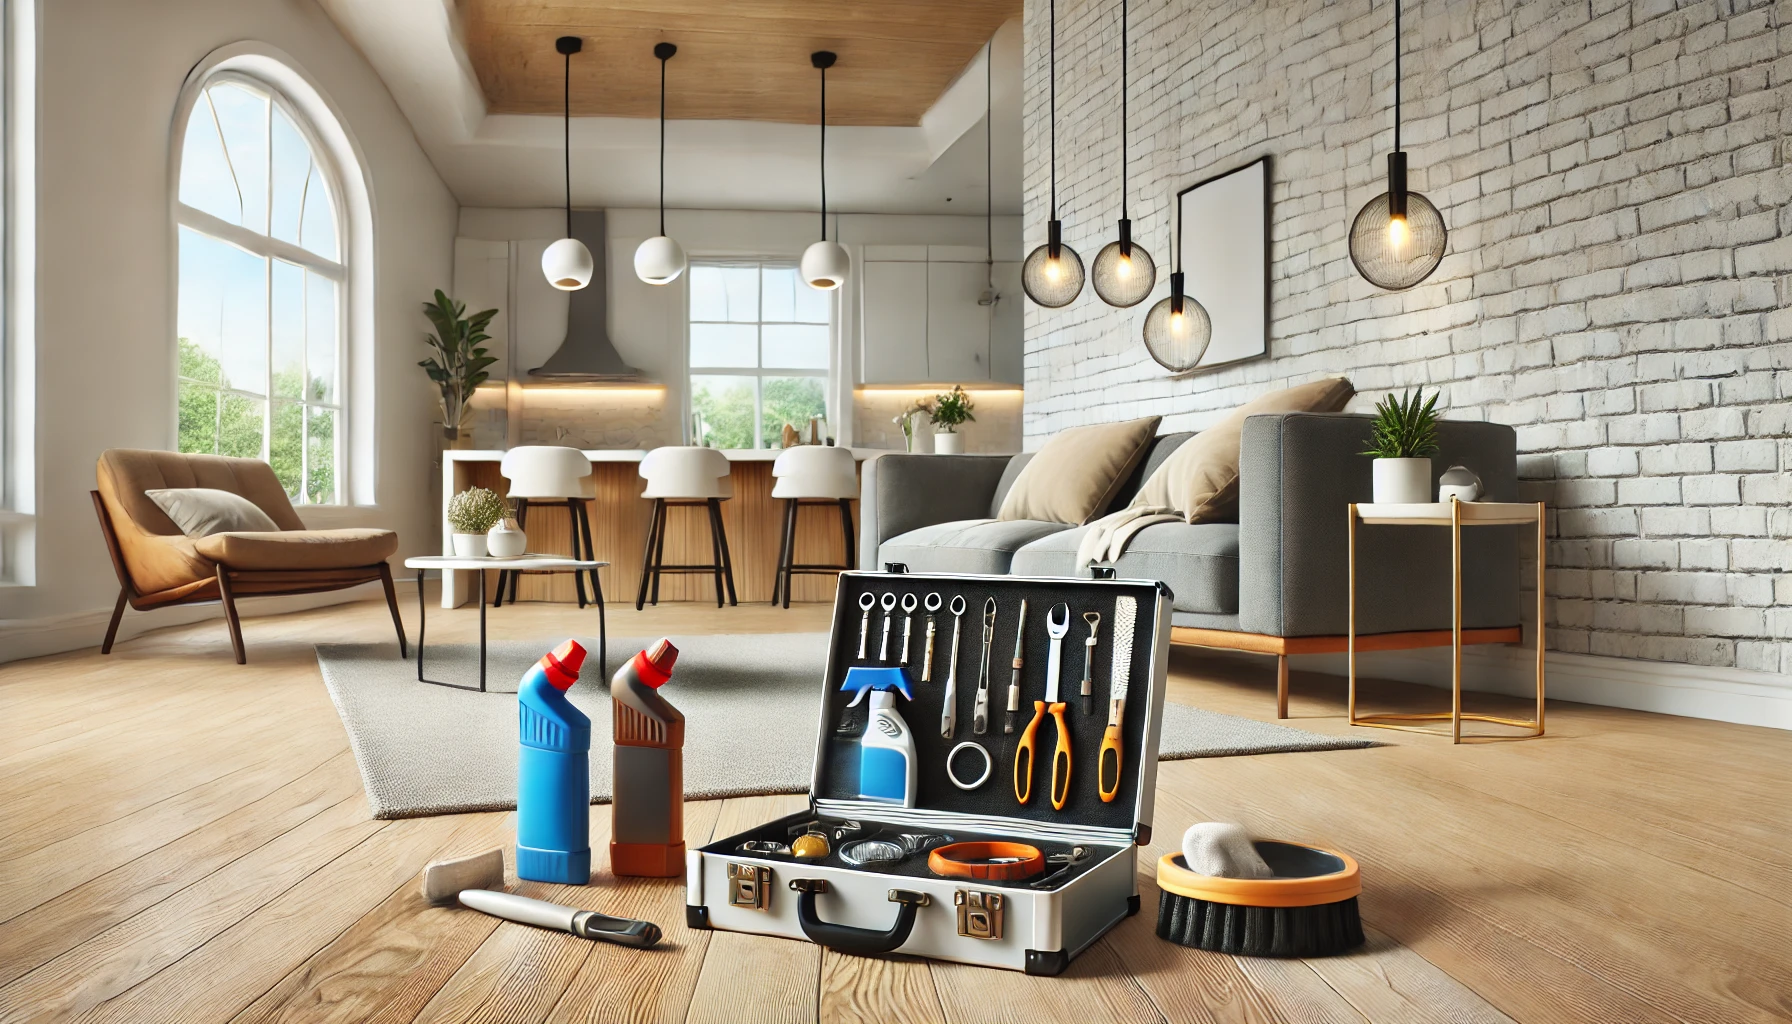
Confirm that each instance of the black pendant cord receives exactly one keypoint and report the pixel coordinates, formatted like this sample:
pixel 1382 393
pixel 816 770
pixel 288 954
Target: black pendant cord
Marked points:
pixel 1054 105
pixel 1123 110
pixel 989 188
pixel 566 139
pixel 824 154
pixel 662 146
pixel 1396 76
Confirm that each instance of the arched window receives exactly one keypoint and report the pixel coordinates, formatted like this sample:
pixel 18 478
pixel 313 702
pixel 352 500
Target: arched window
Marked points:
pixel 261 299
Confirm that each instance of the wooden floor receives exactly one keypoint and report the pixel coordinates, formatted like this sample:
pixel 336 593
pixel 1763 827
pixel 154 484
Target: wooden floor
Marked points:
pixel 186 840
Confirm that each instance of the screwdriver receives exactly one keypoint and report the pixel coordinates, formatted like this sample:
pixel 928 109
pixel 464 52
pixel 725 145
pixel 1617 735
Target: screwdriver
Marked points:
pixel 1012 719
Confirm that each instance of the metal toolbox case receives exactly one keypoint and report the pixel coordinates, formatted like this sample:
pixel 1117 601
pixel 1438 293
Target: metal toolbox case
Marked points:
pixel 1036 925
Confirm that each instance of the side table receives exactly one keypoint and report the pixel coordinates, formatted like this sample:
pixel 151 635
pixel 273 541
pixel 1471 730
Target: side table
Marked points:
pixel 533 563
pixel 1455 515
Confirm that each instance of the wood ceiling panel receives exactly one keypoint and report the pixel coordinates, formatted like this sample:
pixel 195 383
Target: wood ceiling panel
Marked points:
pixel 744 60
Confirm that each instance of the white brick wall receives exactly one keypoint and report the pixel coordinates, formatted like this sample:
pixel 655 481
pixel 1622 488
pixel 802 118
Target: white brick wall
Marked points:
pixel 1618 286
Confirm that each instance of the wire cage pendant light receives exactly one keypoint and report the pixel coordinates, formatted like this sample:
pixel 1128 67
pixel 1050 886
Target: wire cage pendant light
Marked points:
pixel 567 263
pixel 824 264
pixel 660 259
pixel 1053 273
pixel 1398 238
pixel 1178 329
pixel 1124 272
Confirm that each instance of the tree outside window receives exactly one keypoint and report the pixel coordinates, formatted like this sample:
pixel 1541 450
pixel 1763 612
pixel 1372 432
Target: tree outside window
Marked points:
pixel 759 352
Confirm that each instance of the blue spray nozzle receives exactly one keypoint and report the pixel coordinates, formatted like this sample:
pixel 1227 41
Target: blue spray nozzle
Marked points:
pixel 864 680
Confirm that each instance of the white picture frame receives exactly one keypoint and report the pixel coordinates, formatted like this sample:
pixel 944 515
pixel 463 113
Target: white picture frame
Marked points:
pixel 1224 242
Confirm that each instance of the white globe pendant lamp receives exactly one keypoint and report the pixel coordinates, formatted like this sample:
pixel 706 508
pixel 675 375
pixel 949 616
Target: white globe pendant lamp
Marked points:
pixel 660 259
pixel 825 264
pixel 567 264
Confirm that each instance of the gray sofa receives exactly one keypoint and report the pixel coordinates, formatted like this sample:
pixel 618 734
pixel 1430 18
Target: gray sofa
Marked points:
pixel 1275 582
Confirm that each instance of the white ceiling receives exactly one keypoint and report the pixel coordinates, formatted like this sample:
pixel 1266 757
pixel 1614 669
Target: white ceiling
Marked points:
pixel 512 160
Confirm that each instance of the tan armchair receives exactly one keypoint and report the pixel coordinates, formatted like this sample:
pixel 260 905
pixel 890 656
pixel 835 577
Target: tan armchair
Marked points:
pixel 159 566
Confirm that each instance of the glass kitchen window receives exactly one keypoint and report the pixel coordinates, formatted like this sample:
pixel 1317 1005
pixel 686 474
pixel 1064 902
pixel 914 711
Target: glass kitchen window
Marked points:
pixel 759 352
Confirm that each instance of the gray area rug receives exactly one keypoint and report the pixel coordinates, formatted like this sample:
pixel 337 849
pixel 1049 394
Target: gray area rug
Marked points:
pixel 432 750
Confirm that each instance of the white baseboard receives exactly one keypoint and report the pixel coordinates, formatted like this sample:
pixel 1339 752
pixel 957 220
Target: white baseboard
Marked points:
pixel 55 634
pixel 1691 691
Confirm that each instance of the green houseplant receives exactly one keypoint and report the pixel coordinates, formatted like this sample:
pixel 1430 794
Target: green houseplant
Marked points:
pixel 1402 439
pixel 459 363
pixel 951 411
pixel 472 513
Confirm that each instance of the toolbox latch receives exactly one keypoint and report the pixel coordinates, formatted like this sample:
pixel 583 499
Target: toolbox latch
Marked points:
pixel 979 913
pixel 749 886
pixel 1103 572
pixel 896 568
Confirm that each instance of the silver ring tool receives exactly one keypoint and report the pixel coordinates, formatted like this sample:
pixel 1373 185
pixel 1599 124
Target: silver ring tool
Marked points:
pixel 866 601
pixel 888 604
pixel 909 604
pixel 949 716
pixel 932 604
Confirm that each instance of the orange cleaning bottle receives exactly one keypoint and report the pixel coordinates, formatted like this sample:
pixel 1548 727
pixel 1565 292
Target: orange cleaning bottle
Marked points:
pixel 647 812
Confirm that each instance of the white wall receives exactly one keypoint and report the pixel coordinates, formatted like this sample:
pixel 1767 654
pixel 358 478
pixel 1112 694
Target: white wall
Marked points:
pixel 648 323
pixel 111 71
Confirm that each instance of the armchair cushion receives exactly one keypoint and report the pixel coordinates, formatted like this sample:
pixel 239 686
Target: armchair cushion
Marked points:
pixel 203 511
pixel 980 546
pixel 299 549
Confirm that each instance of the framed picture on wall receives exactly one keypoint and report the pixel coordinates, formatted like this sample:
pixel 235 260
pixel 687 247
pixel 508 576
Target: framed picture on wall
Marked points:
pixel 1225 260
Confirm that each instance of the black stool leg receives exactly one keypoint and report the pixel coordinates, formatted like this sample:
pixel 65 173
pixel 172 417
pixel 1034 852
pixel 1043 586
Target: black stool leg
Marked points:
pixel 727 558
pixel 653 529
pixel 852 559
pixel 597 589
pixel 659 552
pixel 790 521
pixel 572 534
pixel 778 576
pixel 715 545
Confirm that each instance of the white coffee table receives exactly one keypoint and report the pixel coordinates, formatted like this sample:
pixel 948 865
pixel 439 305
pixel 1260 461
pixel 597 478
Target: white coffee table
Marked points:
pixel 537 563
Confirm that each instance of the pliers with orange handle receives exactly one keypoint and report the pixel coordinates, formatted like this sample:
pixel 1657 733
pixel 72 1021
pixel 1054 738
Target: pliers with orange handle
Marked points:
pixel 1057 624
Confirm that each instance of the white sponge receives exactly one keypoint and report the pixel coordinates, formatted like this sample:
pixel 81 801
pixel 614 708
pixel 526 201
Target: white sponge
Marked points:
pixel 1222 849
pixel 444 879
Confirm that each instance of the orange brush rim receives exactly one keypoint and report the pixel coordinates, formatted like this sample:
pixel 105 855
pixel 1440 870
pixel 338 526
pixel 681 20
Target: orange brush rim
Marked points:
pixel 1312 891
pixel 968 860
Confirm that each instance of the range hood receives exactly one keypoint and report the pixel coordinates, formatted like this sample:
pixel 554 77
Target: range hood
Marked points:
pixel 587 356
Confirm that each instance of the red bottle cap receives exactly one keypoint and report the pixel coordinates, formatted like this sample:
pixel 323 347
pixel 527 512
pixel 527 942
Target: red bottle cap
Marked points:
pixel 562 664
pixel 654 665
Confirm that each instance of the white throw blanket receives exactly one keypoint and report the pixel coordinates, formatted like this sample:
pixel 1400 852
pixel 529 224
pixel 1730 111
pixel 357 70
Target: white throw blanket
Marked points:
pixel 1108 536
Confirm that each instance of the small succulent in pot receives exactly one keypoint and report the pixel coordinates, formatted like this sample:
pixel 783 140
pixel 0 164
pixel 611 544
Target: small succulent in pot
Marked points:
pixel 1402 439
pixel 472 513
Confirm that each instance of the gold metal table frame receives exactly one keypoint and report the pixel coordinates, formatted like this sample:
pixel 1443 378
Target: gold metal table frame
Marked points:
pixel 1479 513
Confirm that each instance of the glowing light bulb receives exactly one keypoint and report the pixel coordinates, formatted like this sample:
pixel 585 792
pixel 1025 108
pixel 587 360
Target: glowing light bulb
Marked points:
pixel 1123 269
pixel 1178 323
pixel 1053 271
pixel 1397 233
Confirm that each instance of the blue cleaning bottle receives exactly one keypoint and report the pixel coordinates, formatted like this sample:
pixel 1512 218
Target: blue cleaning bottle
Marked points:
pixel 887 750
pixel 553 792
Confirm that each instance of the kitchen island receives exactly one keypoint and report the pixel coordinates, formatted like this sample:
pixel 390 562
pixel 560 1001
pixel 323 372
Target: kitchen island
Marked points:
pixel 752 520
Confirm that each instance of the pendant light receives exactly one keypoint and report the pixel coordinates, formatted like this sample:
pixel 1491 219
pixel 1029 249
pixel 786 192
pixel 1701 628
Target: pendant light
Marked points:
pixel 660 259
pixel 1178 329
pixel 567 263
pixel 1398 237
pixel 1124 272
pixel 1053 273
pixel 990 296
pixel 824 263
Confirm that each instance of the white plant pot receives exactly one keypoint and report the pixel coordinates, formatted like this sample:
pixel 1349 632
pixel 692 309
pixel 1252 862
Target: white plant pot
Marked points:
pixel 469 545
pixel 948 443
pixel 506 541
pixel 1402 481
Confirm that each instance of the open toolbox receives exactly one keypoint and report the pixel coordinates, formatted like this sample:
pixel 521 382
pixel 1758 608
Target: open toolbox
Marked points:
pixel 879 887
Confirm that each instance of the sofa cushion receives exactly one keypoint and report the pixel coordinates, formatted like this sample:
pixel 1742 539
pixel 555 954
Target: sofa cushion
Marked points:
pixel 203 511
pixel 1077 473
pixel 1199 561
pixel 300 549
pixel 983 547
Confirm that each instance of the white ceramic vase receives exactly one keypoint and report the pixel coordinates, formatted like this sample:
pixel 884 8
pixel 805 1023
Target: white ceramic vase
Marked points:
pixel 469 545
pixel 1402 481
pixel 947 442
pixel 505 540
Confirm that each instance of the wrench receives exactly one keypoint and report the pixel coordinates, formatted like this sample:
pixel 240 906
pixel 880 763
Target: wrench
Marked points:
pixel 1057 625
pixel 949 717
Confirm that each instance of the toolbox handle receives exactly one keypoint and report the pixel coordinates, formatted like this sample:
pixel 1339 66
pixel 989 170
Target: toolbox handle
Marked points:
pixel 846 939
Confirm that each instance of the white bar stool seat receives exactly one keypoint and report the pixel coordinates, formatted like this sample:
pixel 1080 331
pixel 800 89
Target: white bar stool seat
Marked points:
pixel 551 475
pixel 812 475
pixel 691 477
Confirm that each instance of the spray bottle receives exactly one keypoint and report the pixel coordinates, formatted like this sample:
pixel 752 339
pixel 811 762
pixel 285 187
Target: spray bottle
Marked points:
pixel 553 793
pixel 647 813
pixel 887 749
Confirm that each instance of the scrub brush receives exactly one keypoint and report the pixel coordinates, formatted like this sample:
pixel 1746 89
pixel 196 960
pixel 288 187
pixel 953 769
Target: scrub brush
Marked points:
pixel 1308 907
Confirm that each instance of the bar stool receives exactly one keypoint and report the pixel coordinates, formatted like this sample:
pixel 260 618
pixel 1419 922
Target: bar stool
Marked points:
pixel 693 477
pixel 812 475
pixel 550 475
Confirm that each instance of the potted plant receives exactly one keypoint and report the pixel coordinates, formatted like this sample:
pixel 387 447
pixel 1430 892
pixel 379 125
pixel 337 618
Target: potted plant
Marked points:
pixel 906 420
pixel 951 411
pixel 472 513
pixel 1402 439
pixel 459 363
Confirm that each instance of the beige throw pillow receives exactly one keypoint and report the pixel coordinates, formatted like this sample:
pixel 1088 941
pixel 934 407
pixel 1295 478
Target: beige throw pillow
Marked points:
pixel 1075 476
pixel 203 511
pixel 1200 479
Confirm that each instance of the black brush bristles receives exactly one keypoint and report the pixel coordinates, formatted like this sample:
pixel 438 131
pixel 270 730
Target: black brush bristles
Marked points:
pixel 1319 930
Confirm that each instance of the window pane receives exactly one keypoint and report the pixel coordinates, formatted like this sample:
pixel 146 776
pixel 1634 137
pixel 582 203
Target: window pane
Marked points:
pixel 243 113
pixel 790 400
pixel 222 308
pixel 726 405
pixel 240 425
pixel 813 306
pixel 779 286
pixel 198 414
pixel 288 327
pixel 318 230
pixel 286 446
pixel 796 346
pixel 725 294
pixel 292 173
pixel 320 450
pixel 321 325
pixel 724 345
pixel 206 181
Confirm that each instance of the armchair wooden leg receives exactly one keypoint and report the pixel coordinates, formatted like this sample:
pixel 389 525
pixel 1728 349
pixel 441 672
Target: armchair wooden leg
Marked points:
pixel 230 617
pixel 124 597
pixel 392 603
pixel 1281 686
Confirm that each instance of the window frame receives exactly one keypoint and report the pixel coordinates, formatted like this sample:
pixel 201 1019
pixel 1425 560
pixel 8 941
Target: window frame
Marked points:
pixel 268 248
pixel 759 371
